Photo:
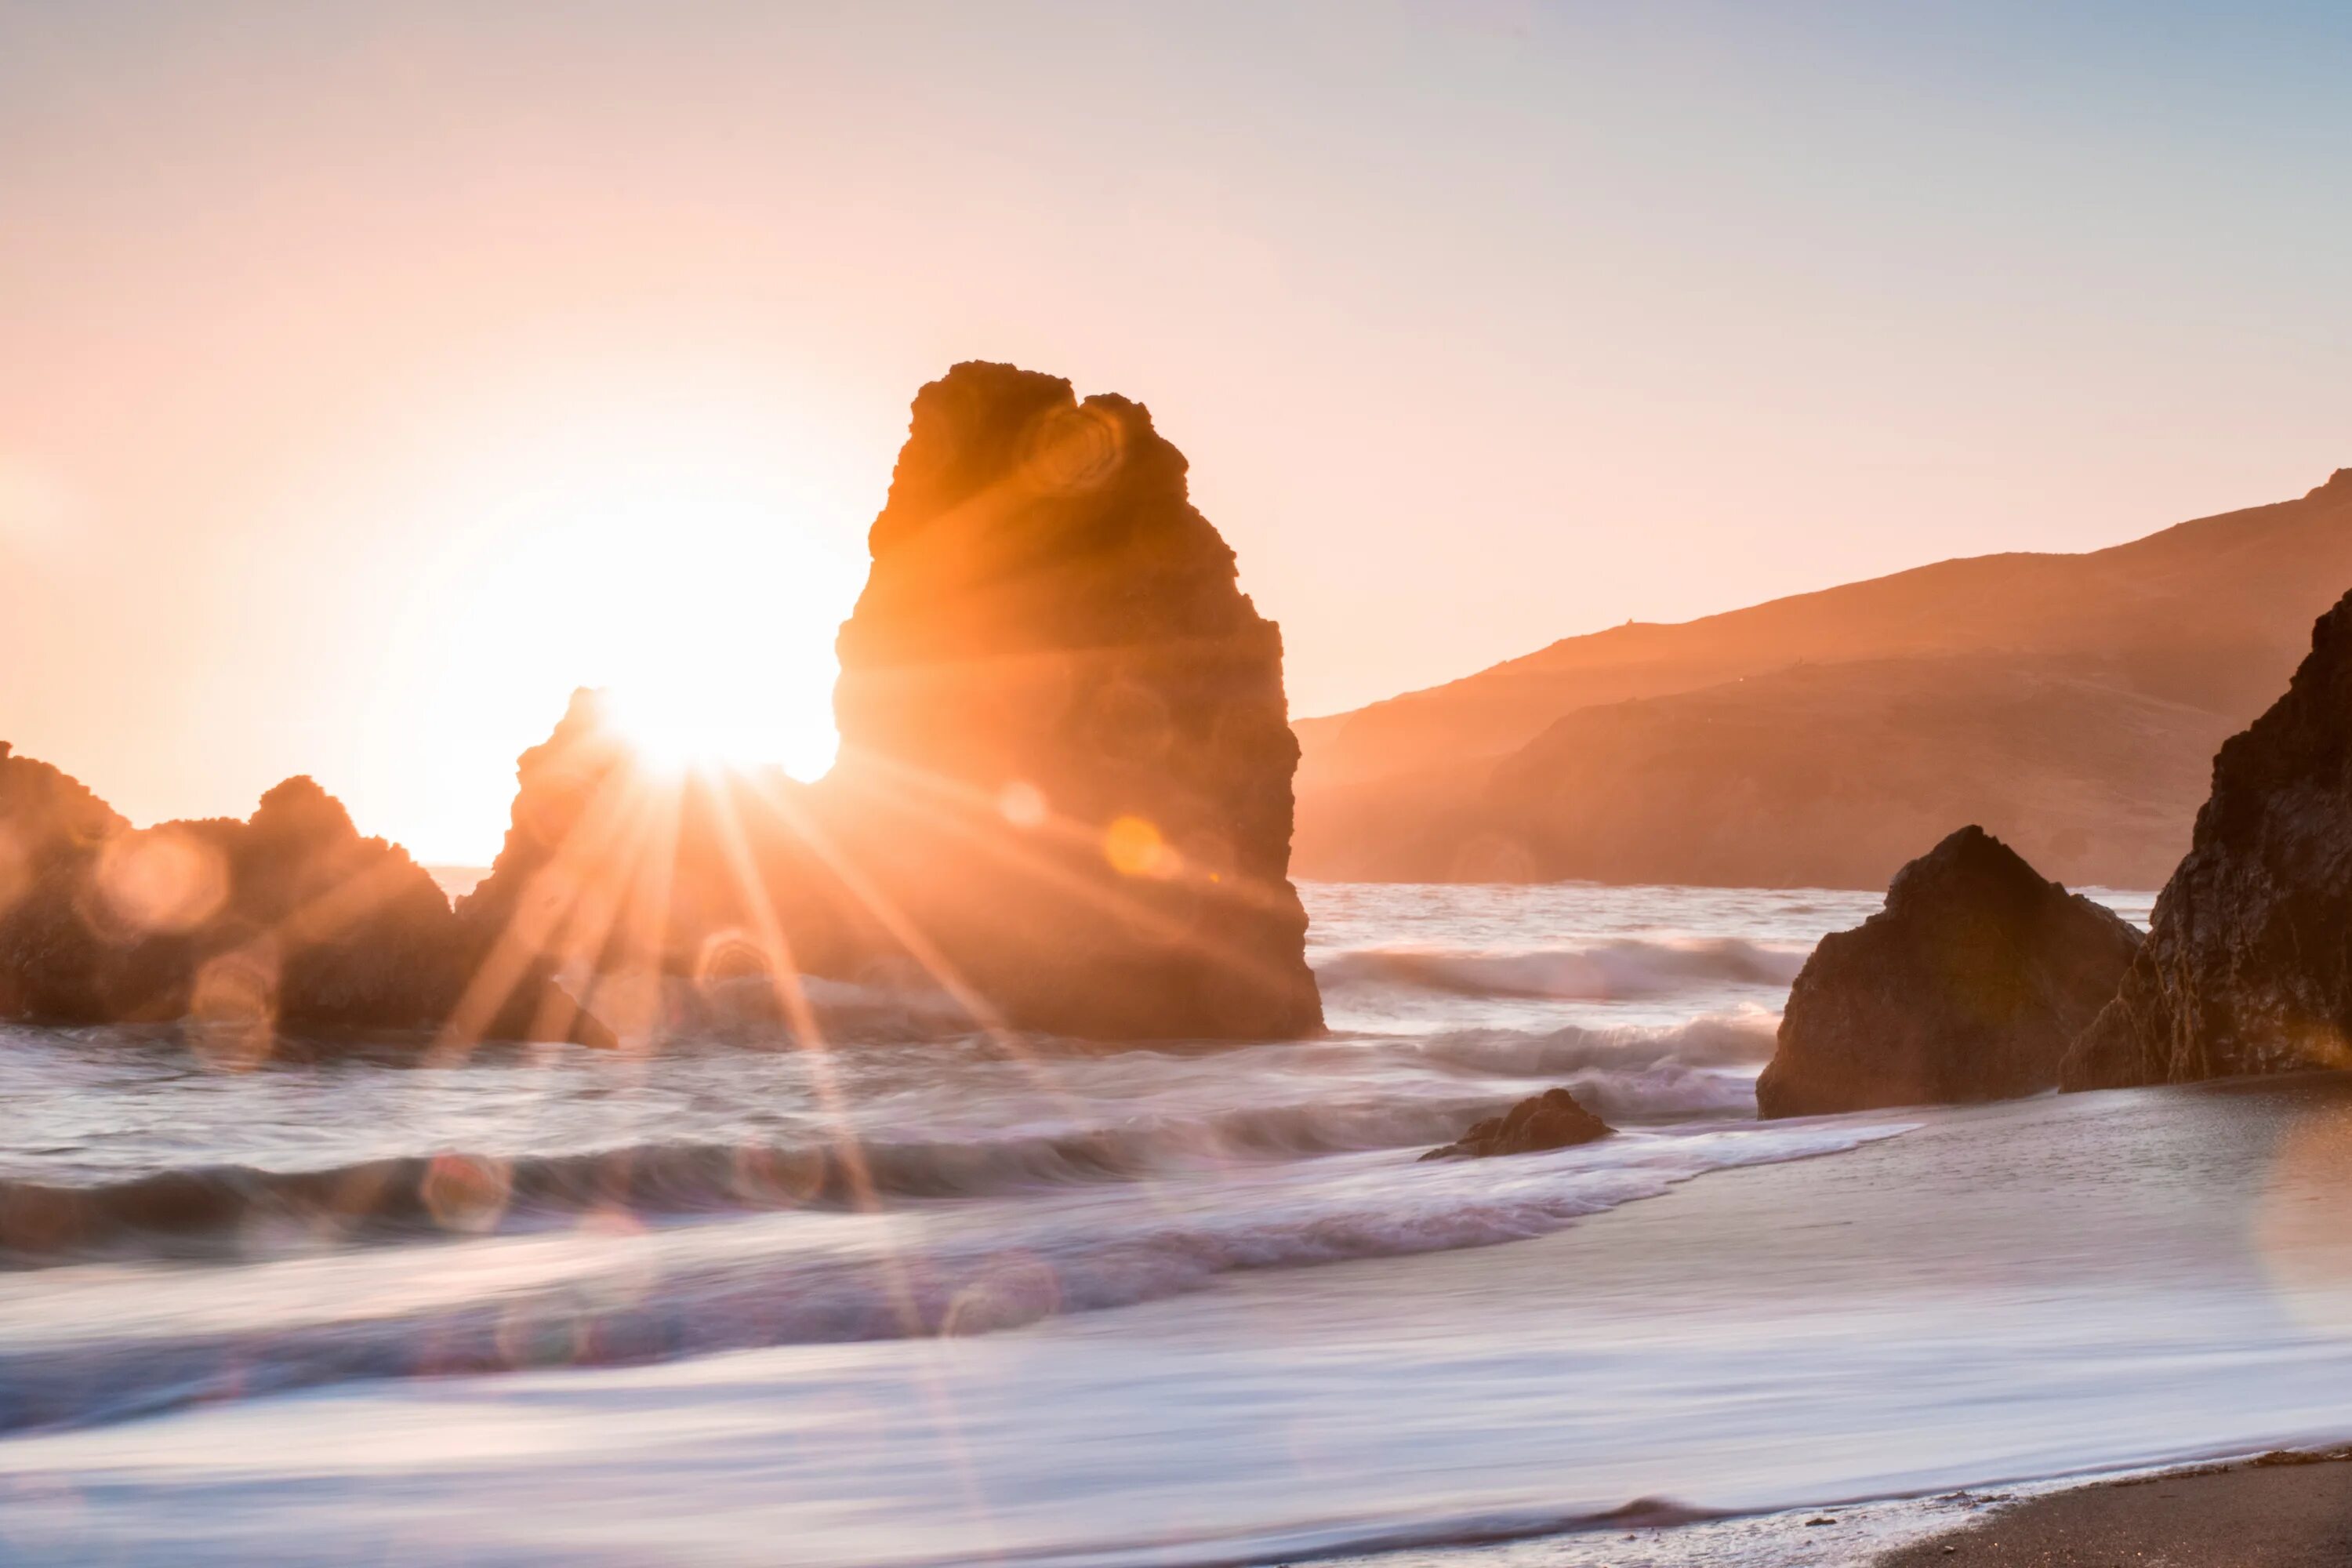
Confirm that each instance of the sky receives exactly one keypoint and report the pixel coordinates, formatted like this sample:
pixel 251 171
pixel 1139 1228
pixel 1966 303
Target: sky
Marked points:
pixel 370 375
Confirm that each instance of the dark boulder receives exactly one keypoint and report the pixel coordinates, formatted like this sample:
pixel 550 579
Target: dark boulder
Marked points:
pixel 348 931
pixel 288 920
pixel 54 966
pixel 1552 1120
pixel 2248 963
pixel 1967 985
pixel 1066 757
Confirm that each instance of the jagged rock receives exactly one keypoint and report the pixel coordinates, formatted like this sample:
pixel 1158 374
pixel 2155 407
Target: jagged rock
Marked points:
pixel 2248 964
pixel 1066 757
pixel 360 934
pixel 1552 1120
pixel 288 920
pixel 1969 985
pixel 53 965
pixel 618 879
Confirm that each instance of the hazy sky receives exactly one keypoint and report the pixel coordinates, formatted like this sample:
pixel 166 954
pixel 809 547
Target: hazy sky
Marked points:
pixel 371 374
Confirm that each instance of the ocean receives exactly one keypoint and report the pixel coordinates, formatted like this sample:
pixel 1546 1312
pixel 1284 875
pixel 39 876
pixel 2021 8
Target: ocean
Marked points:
pixel 925 1296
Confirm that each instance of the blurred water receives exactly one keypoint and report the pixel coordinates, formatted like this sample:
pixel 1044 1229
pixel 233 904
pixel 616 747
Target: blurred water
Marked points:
pixel 708 1287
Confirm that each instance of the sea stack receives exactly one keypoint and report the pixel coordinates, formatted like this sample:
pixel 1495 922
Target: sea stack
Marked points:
pixel 2248 963
pixel 1065 749
pixel 1969 985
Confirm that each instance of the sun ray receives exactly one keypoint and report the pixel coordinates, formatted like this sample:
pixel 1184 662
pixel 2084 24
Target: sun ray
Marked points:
pixel 541 902
pixel 973 815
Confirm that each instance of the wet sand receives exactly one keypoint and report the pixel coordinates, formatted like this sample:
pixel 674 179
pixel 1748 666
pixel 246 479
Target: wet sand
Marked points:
pixel 2279 1512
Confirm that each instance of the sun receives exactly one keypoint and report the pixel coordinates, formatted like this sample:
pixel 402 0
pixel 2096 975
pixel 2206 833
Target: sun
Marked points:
pixel 690 553
pixel 692 726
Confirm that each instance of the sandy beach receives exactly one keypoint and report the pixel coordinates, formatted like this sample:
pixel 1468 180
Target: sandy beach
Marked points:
pixel 2282 1511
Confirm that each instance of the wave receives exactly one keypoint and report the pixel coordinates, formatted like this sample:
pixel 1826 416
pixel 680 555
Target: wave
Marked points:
pixel 1601 971
pixel 598 1296
pixel 1298 1100
pixel 1705 1067
pixel 210 1210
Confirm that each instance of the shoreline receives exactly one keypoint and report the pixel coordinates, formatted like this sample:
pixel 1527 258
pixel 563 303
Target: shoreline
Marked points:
pixel 1914 1320
pixel 2290 1507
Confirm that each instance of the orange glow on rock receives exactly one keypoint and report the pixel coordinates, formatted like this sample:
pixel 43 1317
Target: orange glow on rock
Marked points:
pixel 1022 803
pixel 161 881
pixel 1135 848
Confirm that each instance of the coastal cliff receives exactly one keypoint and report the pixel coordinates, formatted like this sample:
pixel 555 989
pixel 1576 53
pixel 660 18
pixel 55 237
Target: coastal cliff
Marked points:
pixel 2248 963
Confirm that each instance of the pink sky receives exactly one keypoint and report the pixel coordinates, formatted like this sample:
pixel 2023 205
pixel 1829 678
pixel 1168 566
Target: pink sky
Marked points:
pixel 370 377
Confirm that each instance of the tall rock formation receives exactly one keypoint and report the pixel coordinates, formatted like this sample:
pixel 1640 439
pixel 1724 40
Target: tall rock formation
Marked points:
pixel 2248 964
pixel 1969 985
pixel 1066 749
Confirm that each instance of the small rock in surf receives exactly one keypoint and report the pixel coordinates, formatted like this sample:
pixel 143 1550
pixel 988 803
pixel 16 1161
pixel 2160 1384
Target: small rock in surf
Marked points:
pixel 1551 1120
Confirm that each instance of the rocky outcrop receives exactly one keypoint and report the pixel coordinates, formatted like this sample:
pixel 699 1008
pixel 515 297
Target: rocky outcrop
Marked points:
pixel 2248 963
pixel 347 932
pixel 1066 757
pixel 1065 795
pixel 623 890
pixel 1552 1120
pixel 288 920
pixel 1969 985
pixel 53 965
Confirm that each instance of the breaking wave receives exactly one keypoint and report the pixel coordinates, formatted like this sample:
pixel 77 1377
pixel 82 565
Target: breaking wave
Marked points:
pixel 595 1295
pixel 1311 1098
pixel 1599 971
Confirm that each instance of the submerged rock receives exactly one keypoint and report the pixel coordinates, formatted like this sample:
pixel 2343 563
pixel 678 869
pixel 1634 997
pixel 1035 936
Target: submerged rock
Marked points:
pixel 1969 985
pixel 1066 757
pixel 1552 1120
pixel 2248 963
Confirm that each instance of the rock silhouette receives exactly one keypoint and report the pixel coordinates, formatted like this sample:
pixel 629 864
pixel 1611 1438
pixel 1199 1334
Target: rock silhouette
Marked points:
pixel 1066 790
pixel 290 920
pixel 54 966
pixel 1552 1120
pixel 353 933
pixel 1969 985
pixel 2248 963
pixel 617 879
pixel 1066 749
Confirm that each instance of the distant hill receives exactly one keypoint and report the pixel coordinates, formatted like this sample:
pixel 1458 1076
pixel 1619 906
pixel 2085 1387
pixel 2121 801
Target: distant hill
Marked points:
pixel 2069 703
